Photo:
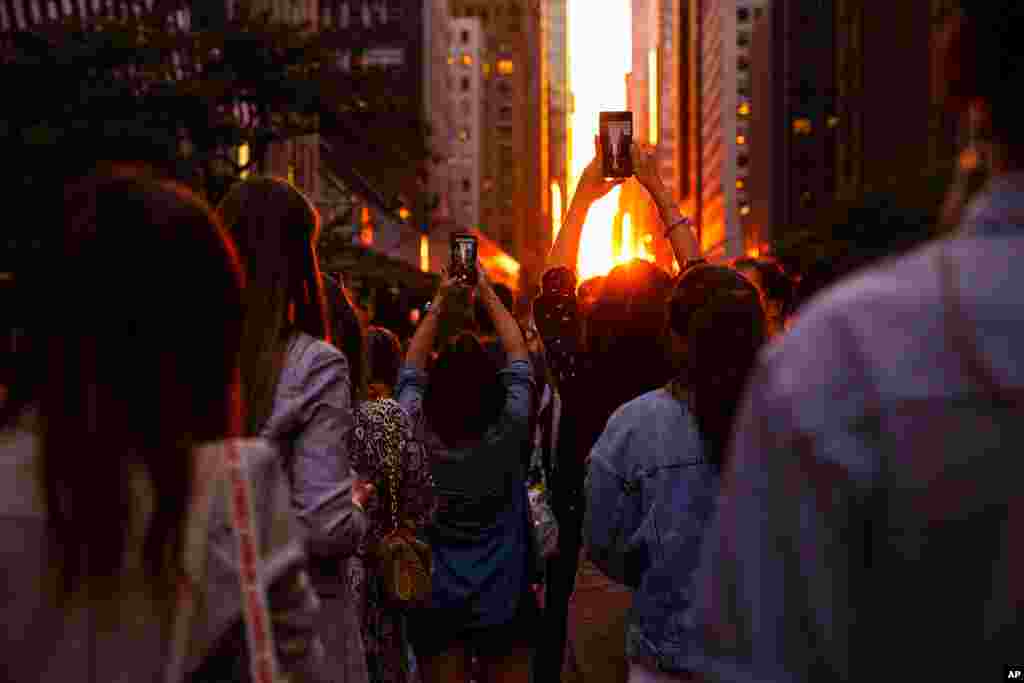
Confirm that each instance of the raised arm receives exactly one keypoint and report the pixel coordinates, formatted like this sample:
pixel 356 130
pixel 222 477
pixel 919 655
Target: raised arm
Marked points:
pixel 508 329
pixel 423 340
pixel 678 230
pixel 592 186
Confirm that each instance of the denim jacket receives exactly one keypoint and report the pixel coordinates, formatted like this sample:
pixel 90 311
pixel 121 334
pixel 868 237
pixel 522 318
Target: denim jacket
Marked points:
pixel 650 495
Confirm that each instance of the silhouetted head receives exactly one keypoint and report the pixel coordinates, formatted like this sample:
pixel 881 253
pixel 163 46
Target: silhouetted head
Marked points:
pixel 385 356
pixel 625 333
pixel 464 397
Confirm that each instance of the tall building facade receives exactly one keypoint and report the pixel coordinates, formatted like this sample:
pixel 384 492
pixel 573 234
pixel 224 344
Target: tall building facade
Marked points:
pixel 466 56
pixel 556 107
pixel 718 77
pixel 835 115
pixel 511 190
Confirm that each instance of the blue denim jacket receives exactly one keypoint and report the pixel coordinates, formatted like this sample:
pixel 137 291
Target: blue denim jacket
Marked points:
pixel 650 495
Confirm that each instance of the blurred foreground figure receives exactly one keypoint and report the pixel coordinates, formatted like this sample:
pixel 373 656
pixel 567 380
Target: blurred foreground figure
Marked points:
pixel 871 522
pixel 119 554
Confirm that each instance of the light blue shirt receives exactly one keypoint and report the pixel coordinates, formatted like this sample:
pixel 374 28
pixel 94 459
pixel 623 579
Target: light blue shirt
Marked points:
pixel 872 522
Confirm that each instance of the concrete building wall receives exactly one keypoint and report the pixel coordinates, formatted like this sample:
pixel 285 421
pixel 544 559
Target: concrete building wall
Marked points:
pixel 466 56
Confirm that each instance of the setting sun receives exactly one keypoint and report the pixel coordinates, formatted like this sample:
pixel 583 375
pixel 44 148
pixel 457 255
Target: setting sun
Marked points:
pixel 600 56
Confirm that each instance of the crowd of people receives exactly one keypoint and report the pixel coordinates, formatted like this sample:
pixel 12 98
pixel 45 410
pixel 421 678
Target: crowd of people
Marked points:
pixel 215 469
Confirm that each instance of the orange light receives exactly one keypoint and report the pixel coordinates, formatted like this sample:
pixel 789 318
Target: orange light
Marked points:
pixel 741 139
pixel 506 67
pixel 743 109
pixel 833 121
pixel 467 60
pixel 424 254
pixel 652 94
pixel 598 63
pixel 745 210
pixel 556 210
pixel 969 159
pixel 243 159
pixel 404 213
pixel 364 215
pixel 627 249
pixel 451 60
pixel 414 316
pixel 754 252
pixel 740 184
pixel 802 126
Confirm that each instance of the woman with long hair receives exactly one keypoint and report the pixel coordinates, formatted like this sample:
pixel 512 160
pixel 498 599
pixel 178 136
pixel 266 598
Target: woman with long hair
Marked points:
pixel 118 561
pixel 297 390
pixel 653 474
pixel 475 420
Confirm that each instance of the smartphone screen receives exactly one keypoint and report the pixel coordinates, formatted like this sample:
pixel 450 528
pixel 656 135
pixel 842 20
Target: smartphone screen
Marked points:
pixel 616 132
pixel 464 257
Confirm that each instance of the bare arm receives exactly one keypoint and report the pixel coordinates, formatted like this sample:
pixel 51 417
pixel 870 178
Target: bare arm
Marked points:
pixel 508 330
pixel 592 186
pixel 423 340
pixel 681 236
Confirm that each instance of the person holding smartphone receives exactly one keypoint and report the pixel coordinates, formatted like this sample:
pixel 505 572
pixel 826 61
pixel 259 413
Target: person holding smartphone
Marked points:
pixel 474 419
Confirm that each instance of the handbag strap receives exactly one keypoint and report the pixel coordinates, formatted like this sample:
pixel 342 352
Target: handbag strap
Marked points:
pixel 263 664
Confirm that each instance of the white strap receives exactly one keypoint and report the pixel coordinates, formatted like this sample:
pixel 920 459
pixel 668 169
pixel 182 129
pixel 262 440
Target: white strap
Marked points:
pixel 262 661
pixel 209 466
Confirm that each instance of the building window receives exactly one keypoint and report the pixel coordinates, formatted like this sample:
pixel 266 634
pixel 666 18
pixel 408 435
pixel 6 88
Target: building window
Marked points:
pixel 464 37
pixel 466 185
pixel 742 63
pixel 464 135
pixel 465 84
pixel 505 67
pixel 743 39
pixel 743 15
pixel 802 126
pixel 742 160
pixel 466 107
pixel 467 60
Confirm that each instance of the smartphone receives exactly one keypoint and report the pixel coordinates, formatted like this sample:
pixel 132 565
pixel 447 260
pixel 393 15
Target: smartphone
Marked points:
pixel 464 256
pixel 616 137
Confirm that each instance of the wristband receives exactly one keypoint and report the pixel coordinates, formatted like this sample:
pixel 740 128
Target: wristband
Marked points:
pixel 685 220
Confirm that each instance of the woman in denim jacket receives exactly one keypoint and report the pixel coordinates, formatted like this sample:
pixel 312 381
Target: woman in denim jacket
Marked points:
pixel 653 474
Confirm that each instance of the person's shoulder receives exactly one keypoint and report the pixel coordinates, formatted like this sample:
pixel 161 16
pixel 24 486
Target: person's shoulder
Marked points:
pixel 307 354
pixel 658 403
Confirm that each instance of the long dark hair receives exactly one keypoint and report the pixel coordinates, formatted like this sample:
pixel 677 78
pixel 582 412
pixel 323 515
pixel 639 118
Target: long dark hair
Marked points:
pixel 718 313
pixel 139 365
pixel 464 396
pixel 276 229
pixel 349 336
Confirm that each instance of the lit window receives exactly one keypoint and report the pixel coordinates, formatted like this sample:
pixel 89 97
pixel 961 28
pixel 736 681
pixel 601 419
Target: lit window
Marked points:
pixel 741 139
pixel 740 184
pixel 802 126
pixel 505 67
pixel 487 70
pixel 404 213
pixel 464 135
pixel 745 210
pixel 467 60
pixel 743 109
pixel 451 60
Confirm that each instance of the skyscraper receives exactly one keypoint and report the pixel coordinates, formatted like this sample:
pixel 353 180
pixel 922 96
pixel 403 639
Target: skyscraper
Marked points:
pixel 511 196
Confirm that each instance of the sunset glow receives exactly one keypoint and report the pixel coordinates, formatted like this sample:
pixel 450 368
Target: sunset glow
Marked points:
pixel 599 58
